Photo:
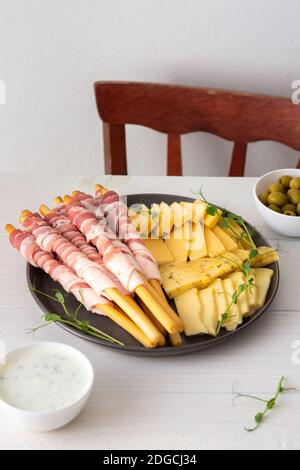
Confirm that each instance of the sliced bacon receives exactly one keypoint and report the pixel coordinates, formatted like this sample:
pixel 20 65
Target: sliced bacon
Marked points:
pixel 116 214
pixel 29 249
pixel 62 224
pixel 116 255
pixel 51 240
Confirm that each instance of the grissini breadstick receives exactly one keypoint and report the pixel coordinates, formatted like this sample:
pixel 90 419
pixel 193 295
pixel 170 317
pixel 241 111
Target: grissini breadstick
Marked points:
pixel 28 248
pixel 94 274
pixel 117 258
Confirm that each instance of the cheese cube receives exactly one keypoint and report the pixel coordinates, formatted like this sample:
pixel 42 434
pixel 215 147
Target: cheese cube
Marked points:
pixel 159 250
pixel 213 245
pixel 225 239
pixel 189 308
pixel 178 242
pixel 209 310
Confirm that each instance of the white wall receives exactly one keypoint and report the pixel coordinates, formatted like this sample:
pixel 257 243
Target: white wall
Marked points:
pixel 51 52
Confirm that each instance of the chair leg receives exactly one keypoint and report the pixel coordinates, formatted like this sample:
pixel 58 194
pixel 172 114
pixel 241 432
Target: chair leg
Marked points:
pixel 238 159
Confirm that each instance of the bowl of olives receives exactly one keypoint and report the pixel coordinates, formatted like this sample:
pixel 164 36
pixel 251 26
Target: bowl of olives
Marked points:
pixel 277 198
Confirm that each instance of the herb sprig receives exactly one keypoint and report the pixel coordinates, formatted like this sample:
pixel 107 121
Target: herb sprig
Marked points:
pixel 269 404
pixel 71 318
pixel 247 285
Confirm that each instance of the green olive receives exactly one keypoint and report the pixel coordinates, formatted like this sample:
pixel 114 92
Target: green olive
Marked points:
pixel 295 183
pixel 290 213
pixel 274 208
pixel 276 188
pixel 298 209
pixel 277 198
pixel 289 208
pixel 294 196
pixel 285 181
pixel 263 197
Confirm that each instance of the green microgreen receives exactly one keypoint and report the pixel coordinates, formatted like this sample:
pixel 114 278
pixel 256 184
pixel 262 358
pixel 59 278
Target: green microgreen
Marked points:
pixel 269 404
pixel 71 318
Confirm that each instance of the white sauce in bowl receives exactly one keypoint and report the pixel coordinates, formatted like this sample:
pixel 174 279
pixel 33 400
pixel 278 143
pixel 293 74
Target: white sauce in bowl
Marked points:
pixel 44 378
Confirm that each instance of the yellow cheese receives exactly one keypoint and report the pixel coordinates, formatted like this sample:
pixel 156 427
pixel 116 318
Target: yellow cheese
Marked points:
pixel 263 277
pixel 209 220
pixel 179 277
pixel 159 250
pixel 182 213
pixel 243 301
pixel 198 211
pixel 242 254
pixel 235 316
pixel 220 297
pixel 252 295
pixel 197 247
pixel 166 219
pixel 266 255
pixel 209 310
pixel 225 239
pixel 178 242
pixel 213 245
pixel 189 308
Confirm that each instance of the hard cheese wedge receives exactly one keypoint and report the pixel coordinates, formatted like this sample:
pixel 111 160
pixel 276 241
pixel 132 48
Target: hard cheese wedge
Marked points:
pixel 220 297
pixel 209 310
pixel 178 242
pixel 228 243
pixel 179 277
pixel 243 301
pixel 213 244
pixel 189 308
pixel 197 247
pixel 166 219
pixel 263 277
pixel 159 250
pixel 235 315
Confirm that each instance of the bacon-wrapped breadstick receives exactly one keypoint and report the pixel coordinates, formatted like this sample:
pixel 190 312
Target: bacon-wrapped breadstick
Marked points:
pixel 93 273
pixel 118 259
pixel 107 204
pixel 28 248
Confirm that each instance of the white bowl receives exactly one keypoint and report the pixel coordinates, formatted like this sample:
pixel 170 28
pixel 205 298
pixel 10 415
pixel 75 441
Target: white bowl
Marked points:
pixel 49 420
pixel 280 223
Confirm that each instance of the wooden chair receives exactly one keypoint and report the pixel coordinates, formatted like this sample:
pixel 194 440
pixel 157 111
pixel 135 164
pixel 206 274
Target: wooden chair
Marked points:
pixel 175 110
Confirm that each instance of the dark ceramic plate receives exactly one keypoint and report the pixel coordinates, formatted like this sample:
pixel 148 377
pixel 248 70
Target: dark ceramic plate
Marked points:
pixel 190 344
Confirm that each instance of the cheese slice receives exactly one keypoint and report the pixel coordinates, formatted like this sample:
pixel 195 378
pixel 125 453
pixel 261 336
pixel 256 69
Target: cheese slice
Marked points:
pixel 235 316
pixel 213 244
pixel 159 250
pixel 155 220
pixel 243 301
pixel 263 277
pixel 189 308
pixel 225 239
pixel 197 247
pixel 198 212
pixel 178 242
pixel 220 297
pixel 252 295
pixel 242 254
pixel 166 219
pixel 179 277
pixel 182 213
pixel 209 310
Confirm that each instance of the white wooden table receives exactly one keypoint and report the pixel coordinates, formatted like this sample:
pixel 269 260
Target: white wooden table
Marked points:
pixel 180 402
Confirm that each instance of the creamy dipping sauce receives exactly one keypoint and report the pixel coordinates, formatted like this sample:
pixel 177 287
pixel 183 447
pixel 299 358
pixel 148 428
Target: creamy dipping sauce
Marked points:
pixel 43 378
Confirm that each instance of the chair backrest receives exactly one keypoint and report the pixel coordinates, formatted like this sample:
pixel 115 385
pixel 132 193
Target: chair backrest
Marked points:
pixel 176 110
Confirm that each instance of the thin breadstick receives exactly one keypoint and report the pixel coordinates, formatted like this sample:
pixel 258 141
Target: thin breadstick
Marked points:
pixel 175 338
pixel 152 318
pixel 125 323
